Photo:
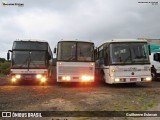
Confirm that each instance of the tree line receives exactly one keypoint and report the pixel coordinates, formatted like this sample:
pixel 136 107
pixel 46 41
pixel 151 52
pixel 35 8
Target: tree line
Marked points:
pixel 4 67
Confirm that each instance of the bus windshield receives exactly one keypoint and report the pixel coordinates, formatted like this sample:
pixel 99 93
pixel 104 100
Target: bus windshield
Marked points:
pixel 29 59
pixel 129 53
pixel 75 51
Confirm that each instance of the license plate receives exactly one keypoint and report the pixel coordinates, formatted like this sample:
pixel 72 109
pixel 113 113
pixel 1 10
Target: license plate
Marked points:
pixel 133 79
pixel 28 77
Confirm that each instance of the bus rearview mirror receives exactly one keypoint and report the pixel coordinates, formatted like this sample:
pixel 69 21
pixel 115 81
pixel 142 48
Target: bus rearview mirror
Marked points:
pixel 55 50
pixel 8 56
pixel 156 57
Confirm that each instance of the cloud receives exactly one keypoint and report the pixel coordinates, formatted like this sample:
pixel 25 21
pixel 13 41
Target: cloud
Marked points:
pixel 95 20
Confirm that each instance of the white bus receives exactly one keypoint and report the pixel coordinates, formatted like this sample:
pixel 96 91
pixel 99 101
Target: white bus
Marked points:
pixel 123 61
pixel 75 61
pixel 31 61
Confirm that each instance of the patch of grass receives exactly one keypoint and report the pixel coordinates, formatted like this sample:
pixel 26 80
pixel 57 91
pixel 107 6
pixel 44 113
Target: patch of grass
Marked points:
pixel 2 75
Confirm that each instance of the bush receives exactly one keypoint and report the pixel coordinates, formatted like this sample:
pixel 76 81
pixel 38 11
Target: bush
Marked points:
pixel 5 68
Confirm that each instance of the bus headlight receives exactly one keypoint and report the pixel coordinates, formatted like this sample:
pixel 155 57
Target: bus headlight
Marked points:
pixel 116 79
pixel 87 78
pixel 13 79
pixel 18 76
pixel 63 78
pixel 38 76
pixel 67 78
pixel 148 78
pixel 43 79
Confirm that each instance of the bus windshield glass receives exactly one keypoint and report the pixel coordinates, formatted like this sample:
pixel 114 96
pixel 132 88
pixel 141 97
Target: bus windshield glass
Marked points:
pixel 75 51
pixel 129 53
pixel 29 59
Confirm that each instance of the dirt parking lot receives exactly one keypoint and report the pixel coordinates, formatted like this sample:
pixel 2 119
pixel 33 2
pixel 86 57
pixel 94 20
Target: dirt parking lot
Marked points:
pixel 80 97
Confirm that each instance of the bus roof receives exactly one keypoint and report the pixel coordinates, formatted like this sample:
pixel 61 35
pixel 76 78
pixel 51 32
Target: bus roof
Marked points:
pixel 31 40
pixel 122 40
pixel 152 41
pixel 76 41
pixel 125 40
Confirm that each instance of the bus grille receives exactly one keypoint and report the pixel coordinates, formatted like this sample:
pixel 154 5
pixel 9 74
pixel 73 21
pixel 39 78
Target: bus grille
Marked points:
pixel 64 70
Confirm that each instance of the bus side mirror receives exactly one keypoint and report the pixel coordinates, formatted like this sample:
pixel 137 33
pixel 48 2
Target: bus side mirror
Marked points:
pixel 156 57
pixel 8 56
pixel 149 49
pixel 55 50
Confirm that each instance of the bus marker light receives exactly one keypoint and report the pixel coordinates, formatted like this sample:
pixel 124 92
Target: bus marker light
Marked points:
pixel 92 64
pixel 113 70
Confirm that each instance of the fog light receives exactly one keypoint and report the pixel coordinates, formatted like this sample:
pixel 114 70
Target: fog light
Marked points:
pixel 18 76
pixel 117 79
pixel 38 76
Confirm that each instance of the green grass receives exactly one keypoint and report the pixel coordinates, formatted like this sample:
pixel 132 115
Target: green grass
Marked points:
pixel 2 75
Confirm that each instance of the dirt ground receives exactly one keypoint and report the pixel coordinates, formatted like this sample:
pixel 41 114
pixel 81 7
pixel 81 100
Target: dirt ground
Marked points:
pixel 80 97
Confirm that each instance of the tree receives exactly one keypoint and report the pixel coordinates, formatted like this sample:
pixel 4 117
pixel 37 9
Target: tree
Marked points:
pixel 2 60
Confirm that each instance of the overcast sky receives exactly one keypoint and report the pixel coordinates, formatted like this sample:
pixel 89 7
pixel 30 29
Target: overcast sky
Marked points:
pixel 95 20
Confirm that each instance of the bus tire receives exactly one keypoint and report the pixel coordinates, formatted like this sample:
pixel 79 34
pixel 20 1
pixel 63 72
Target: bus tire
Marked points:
pixel 153 74
pixel 102 77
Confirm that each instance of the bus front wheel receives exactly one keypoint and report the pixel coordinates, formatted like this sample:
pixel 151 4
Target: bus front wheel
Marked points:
pixel 153 74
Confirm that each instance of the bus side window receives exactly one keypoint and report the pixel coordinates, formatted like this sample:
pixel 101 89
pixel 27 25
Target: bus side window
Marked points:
pixel 105 54
pixel 96 54
pixel 101 57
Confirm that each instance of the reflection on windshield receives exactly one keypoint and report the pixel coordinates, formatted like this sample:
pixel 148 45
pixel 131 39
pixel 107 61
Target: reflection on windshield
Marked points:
pixel 73 51
pixel 129 53
pixel 26 59
pixel 84 52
